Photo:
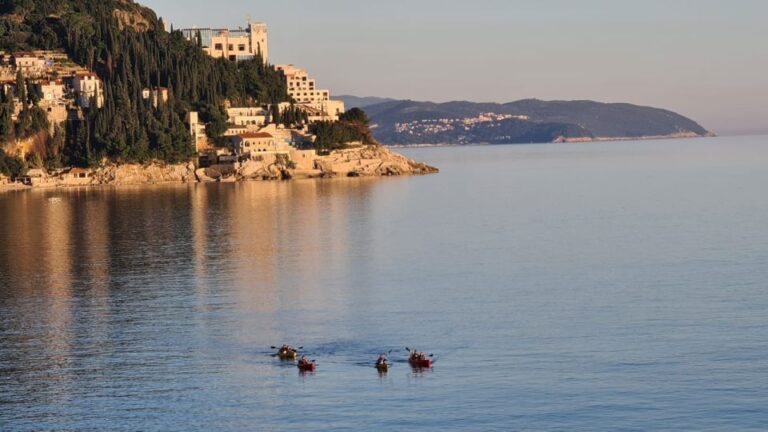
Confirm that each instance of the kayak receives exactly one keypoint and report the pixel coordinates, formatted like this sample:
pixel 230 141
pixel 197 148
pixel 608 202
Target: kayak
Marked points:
pixel 420 364
pixel 383 367
pixel 287 355
pixel 307 367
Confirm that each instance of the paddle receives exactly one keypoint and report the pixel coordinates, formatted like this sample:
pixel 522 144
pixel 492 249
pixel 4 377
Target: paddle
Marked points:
pixel 406 348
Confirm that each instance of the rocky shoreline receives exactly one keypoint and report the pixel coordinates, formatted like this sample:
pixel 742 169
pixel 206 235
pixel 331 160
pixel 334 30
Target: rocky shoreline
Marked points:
pixel 363 161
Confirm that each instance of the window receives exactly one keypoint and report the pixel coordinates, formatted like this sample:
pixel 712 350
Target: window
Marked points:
pixel 231 47
pixel 219 47
pixel 241 47
pixel 232 58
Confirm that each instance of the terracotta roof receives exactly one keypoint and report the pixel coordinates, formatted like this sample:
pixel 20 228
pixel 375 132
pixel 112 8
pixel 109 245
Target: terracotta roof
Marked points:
pixel 255 135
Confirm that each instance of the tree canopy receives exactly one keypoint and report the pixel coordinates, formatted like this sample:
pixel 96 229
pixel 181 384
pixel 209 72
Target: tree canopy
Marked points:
pixel 128 48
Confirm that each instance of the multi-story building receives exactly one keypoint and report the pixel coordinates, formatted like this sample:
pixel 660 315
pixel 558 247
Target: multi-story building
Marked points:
pixel 234 45
pixel 50 91
pixel 304 92
pixel 301 87
pixel 197 131
pixel 256 144
pixel 251 117
pixel 30 63
pixel 87 86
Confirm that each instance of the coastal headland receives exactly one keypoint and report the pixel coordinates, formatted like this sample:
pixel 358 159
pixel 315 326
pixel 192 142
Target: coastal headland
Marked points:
pixel 204 105
pixel 361 161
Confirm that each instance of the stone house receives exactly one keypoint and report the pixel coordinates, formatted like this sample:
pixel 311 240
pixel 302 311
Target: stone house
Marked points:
pixel 256 144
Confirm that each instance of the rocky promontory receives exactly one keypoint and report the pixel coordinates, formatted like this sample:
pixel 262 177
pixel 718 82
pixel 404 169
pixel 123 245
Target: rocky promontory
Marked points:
pixel 360 161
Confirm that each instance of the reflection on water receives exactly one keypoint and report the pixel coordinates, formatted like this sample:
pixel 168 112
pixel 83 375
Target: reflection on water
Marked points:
pixel 94 275
pixel 611 286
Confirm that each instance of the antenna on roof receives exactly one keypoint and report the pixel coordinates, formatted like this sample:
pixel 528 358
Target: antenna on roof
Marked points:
pixel 248 18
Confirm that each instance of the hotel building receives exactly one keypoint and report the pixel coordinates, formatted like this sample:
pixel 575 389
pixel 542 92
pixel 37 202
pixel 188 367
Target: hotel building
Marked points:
pixel 234 45
pixel 304 92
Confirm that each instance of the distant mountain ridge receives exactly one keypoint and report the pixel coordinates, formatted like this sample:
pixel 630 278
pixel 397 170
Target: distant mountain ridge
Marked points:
pixel 524 121
pixel 361 102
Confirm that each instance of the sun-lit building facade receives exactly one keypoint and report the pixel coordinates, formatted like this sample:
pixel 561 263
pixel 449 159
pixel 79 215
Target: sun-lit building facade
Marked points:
pixel 305 93
pixel 234 45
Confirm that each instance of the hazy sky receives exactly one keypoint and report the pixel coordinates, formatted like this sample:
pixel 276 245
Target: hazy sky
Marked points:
pixel 707 59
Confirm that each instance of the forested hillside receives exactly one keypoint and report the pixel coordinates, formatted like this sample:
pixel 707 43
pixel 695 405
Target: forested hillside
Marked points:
pixel 524 121
pixel 127 46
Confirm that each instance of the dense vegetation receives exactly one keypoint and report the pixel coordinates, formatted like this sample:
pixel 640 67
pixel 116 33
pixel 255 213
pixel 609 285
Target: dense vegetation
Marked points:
pixel 127 46
pixel 11 166
pixel 353 126
pixel 31 120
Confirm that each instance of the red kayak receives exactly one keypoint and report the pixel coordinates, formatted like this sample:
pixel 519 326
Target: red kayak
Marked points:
pixel 420 363
pixel 307 366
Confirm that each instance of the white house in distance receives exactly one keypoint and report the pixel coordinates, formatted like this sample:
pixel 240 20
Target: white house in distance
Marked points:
pixel 303 90
pixel 256 144
pixel 252 117
pixel 197 131
pixel 51 91
pixel 87 87
pixel 30 63
pixel 233 45
pixel 155 95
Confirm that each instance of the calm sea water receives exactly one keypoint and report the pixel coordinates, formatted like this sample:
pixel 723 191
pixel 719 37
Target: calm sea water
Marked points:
pixel 615 286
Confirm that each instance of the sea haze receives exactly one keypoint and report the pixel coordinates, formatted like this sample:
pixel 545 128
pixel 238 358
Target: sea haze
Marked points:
pixel 596 286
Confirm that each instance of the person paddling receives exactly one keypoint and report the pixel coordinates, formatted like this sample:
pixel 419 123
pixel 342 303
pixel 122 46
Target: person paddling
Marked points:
pixel 382 361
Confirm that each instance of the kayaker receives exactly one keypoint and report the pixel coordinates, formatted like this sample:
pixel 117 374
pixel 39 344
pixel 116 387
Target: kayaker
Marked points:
pixel 382 360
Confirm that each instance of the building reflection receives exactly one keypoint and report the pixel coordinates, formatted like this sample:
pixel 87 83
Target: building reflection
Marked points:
pixel 86 270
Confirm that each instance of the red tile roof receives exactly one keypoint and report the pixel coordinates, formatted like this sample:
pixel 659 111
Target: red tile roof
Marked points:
pixel 255 135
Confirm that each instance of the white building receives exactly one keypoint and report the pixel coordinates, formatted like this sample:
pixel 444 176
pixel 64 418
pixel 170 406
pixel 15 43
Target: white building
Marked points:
pixel 257 144
pixel 51 91
pixel 155 95
pixel 305 93
pixel 29 63
pixel 197 131
pixel 251 117
pixel 234 45
pixel 87 86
